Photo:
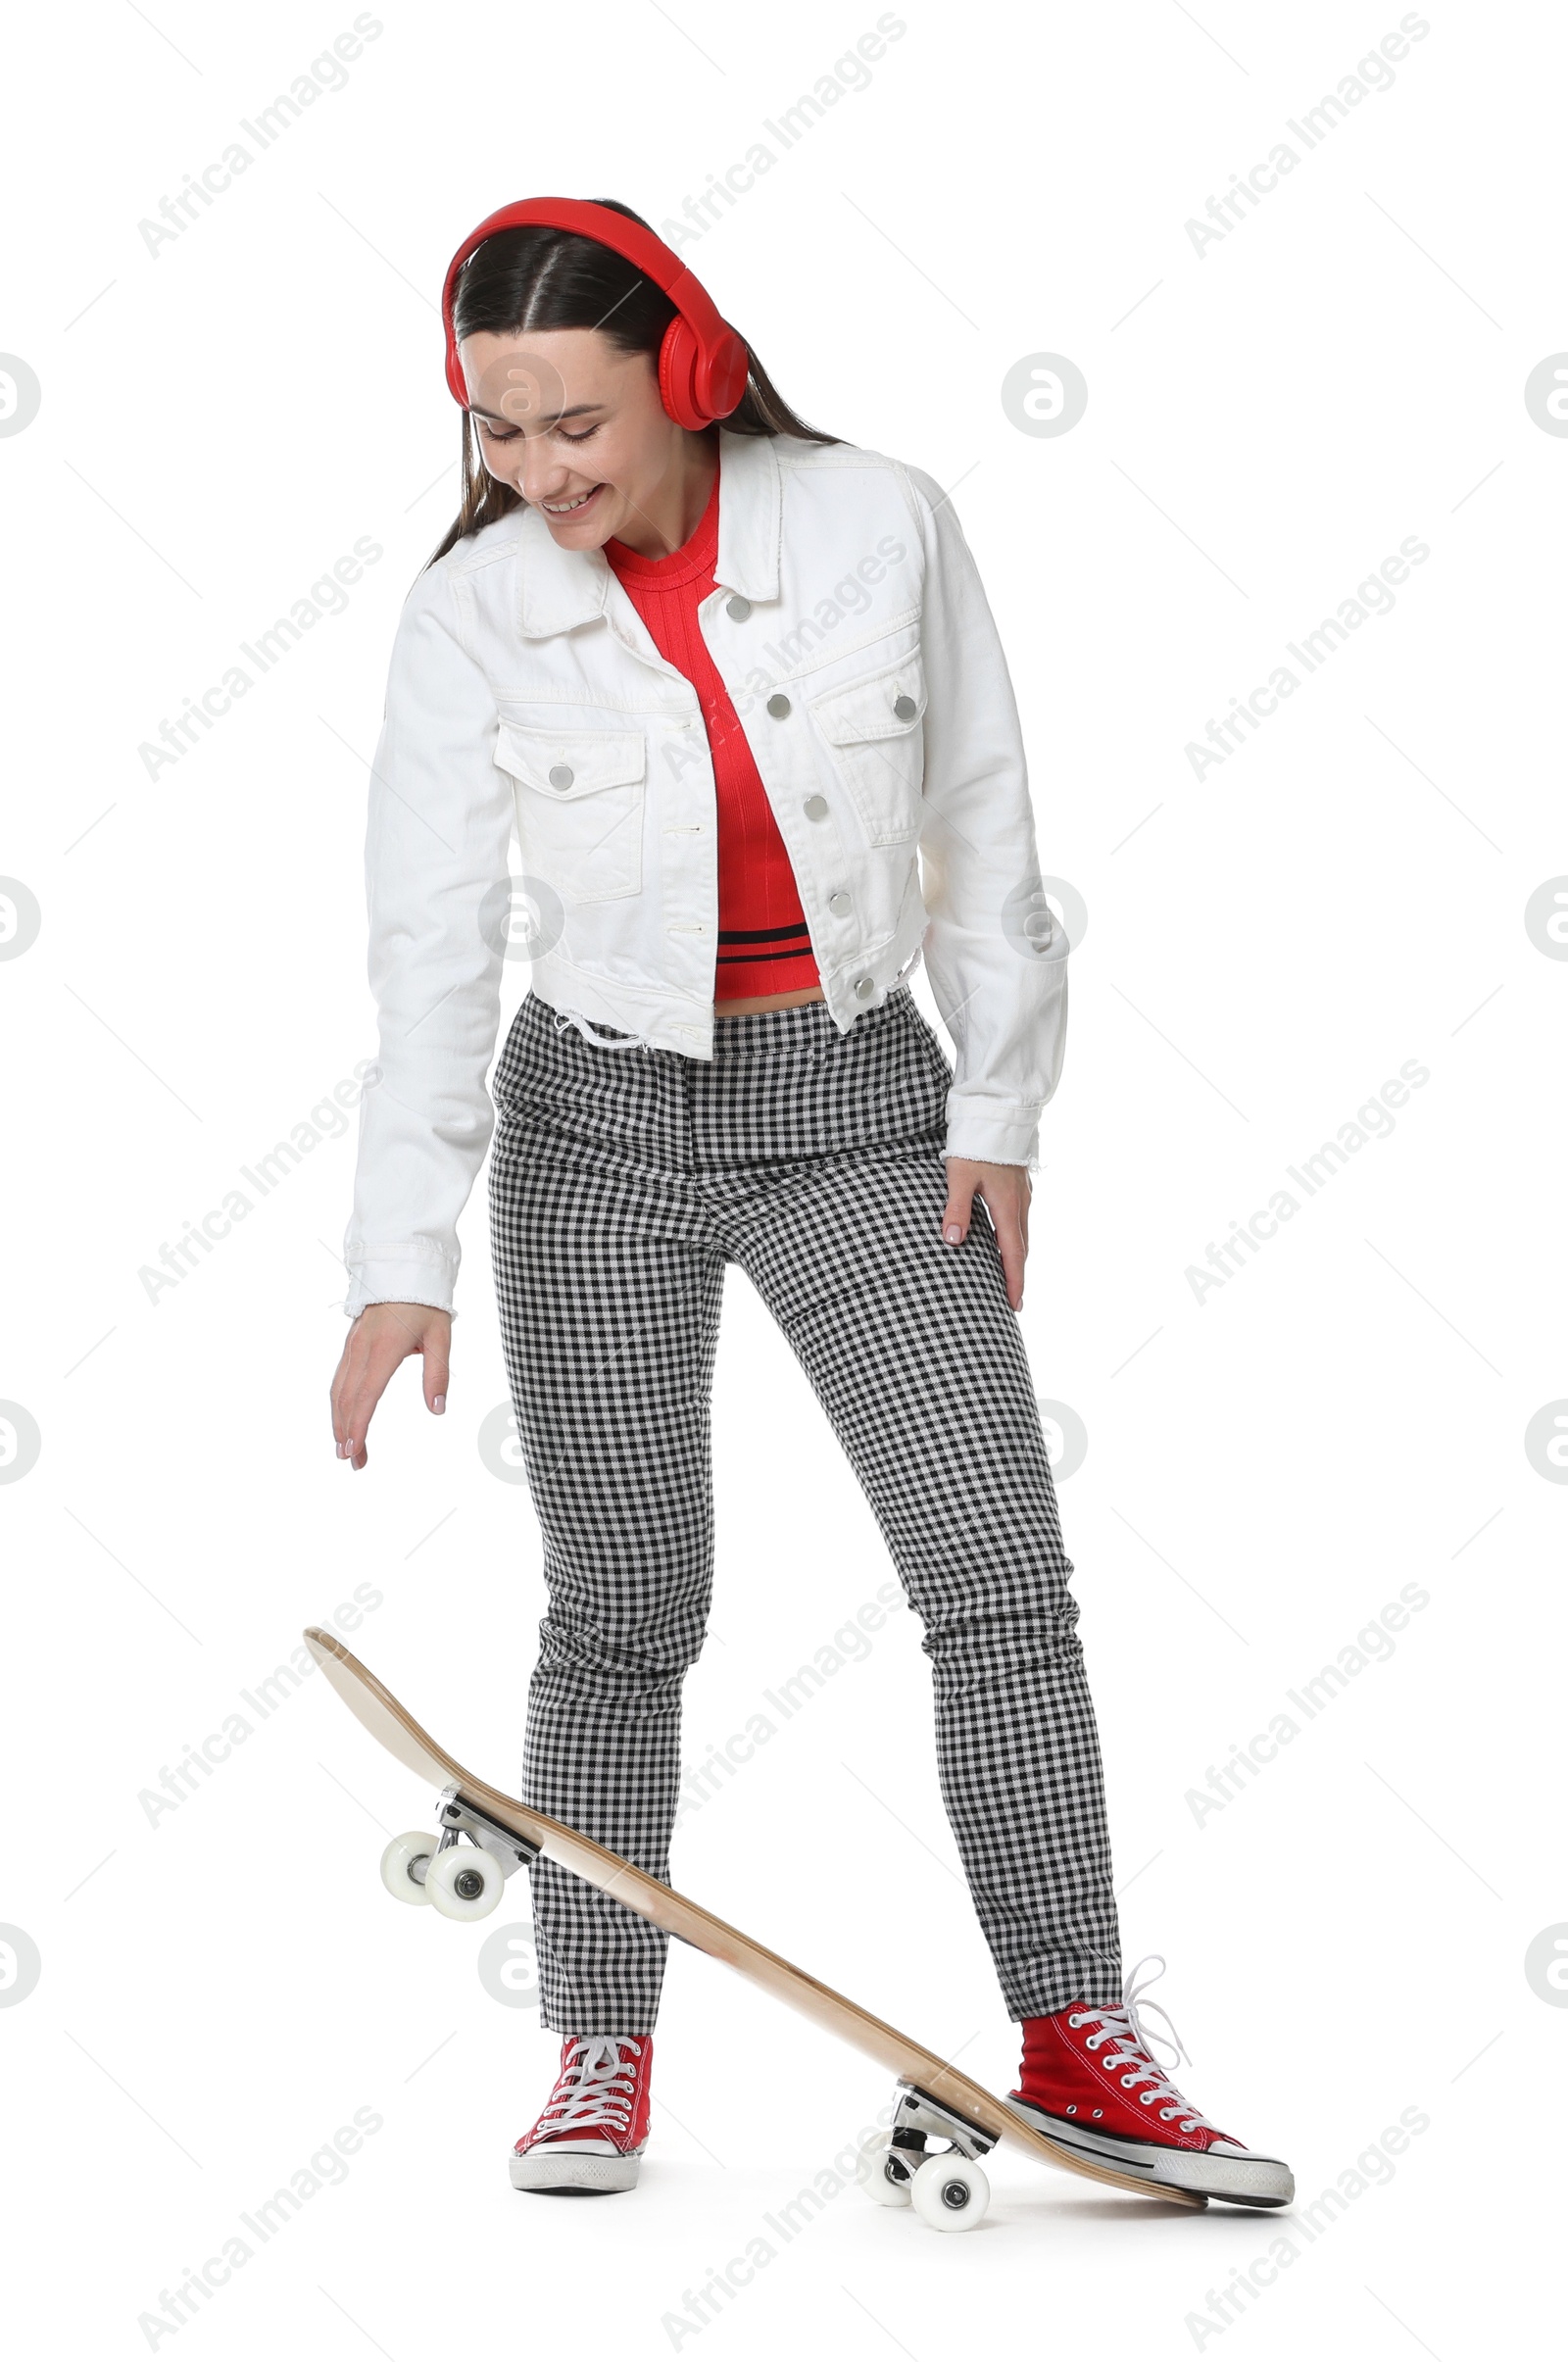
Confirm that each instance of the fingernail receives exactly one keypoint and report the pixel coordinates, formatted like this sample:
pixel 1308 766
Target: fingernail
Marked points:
pixel 439 1403
pixel 952 1234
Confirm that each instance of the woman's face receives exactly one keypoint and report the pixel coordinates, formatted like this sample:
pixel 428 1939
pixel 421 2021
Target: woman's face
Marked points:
pixel 562 413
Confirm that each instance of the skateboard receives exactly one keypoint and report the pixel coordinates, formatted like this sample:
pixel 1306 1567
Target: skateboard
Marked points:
pixel 947 2187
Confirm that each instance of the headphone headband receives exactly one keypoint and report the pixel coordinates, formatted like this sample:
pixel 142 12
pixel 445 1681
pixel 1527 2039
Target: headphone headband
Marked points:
pixel 703 364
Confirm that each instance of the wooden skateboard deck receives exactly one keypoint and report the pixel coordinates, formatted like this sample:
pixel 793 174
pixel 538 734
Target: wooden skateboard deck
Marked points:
pixel 386 1720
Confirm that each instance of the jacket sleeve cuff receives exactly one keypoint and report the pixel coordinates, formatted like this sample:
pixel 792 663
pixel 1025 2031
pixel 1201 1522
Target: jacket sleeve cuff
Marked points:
pixel 404 1276
pixel 992 1135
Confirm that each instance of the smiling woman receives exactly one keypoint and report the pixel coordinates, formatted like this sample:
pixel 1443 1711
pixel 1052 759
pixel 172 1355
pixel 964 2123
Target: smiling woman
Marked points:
pixel 719 1061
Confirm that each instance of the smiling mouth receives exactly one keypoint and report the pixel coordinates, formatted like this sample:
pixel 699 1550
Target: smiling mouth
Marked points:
pixel 569 507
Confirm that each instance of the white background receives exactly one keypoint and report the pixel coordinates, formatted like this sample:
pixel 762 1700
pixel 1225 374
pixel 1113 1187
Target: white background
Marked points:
pixel 222 1987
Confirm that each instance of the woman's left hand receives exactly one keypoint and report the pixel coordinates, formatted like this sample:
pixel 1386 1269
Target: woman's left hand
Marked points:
pixel 1003 1190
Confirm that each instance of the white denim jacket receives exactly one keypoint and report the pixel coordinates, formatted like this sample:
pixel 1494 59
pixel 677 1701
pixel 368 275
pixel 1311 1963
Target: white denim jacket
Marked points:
pixel 526 697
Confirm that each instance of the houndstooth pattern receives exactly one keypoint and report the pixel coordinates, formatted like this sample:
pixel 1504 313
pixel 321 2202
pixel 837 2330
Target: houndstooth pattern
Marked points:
pixel 623 1181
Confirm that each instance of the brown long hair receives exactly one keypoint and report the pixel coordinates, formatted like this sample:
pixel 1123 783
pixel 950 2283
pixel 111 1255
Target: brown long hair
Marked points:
pixel 539 278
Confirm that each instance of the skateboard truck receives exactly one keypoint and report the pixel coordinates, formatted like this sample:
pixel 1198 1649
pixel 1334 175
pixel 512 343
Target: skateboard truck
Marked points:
pixel 915 2114
pixel 464 1882
pixel 948 2187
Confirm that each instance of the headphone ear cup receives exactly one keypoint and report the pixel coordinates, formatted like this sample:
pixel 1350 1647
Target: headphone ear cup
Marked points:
pixel 694 387
pixel 723 381
pixel 678 356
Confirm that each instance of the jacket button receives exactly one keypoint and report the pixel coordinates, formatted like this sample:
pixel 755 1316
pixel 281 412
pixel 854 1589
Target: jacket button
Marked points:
pixel 778 705
pixel 738 609
pixel 863 988
pixel 815 808
pixel 905 708
pixel 839 904
pixel 562 776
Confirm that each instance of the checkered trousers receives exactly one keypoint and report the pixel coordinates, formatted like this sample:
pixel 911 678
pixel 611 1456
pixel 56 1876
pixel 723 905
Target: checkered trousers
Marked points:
pixel 623 1180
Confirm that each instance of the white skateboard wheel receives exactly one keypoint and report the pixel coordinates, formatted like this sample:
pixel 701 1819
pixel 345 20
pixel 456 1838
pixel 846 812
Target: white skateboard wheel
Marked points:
pixel 464 1882
pixel 949 2193
pixel 397 1865
pixel 872 2161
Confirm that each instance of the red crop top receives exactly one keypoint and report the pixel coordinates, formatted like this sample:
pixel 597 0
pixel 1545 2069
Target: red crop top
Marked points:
pixel 764 945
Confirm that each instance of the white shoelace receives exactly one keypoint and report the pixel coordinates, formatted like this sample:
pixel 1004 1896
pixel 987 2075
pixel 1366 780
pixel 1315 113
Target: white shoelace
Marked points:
pixel 595 2086
pixel 1133 2044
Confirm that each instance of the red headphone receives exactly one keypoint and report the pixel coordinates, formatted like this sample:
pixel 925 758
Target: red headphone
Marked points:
pixel 702 363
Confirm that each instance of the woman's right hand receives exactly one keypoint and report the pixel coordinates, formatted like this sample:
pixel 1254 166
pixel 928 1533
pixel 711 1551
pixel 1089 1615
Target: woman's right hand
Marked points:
pixel 381 1337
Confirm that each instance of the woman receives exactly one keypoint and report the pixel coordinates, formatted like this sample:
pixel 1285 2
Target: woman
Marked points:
pixel 733 685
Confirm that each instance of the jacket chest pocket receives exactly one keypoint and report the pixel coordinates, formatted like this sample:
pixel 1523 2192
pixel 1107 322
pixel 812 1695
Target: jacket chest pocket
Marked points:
pixel 579 796
pixel 875 728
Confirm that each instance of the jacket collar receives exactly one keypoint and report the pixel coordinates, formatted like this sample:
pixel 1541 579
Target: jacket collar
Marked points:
pixel 562 588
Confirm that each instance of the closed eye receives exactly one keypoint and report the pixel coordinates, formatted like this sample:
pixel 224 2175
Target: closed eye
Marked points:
pixel 494 437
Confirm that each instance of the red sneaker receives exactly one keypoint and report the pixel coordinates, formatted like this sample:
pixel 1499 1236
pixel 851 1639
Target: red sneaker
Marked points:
pixel 1090 2081
pixel 594 2127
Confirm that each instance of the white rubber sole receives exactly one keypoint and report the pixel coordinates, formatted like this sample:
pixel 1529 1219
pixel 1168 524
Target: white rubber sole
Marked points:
pixel 568 2171
pixel 1237 2175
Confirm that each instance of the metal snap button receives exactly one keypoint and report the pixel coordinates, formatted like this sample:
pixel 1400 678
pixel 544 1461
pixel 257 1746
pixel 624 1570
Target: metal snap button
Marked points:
pixel 562 776
pixel 839 904
pixel 815 808
pixel 863 988
pixel 905 708
pixel 737 608
pixel 778 705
